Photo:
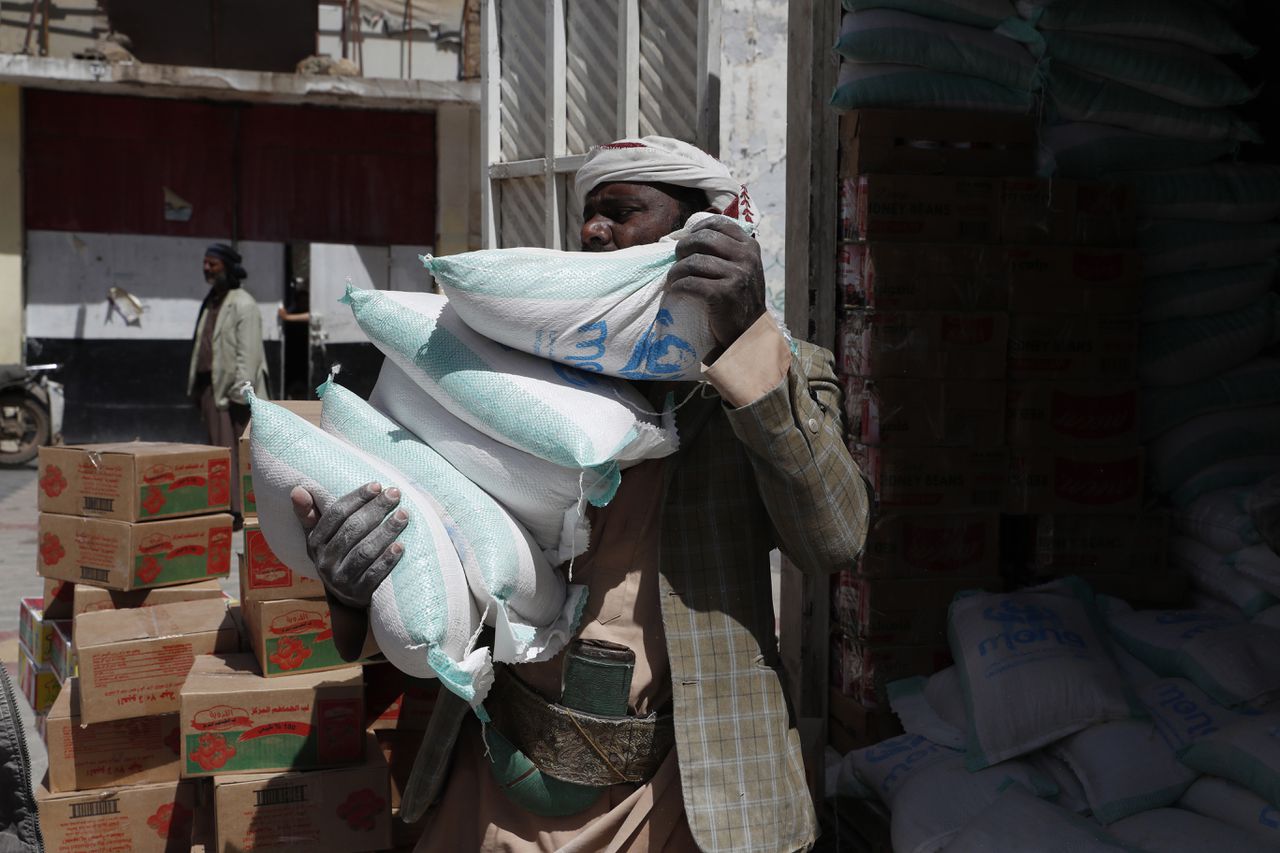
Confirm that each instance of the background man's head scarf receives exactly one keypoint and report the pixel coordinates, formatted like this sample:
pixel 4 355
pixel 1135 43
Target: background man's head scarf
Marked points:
pixel 231 261
pixel 659 160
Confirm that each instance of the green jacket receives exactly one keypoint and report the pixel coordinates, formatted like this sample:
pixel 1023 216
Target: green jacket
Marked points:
pixel 238 356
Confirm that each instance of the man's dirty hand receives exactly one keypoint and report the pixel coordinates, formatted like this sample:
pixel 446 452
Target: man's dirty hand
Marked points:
pixel 720 263
pixel 352 539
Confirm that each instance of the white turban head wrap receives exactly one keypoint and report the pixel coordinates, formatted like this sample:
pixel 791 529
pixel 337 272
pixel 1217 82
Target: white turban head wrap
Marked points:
pixel 660 160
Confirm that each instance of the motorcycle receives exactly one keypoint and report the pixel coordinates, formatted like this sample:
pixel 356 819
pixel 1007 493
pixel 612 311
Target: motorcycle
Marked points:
pixel 31 407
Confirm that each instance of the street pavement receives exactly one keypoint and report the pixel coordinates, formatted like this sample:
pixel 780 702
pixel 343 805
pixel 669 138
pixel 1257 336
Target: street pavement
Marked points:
pixel 18 579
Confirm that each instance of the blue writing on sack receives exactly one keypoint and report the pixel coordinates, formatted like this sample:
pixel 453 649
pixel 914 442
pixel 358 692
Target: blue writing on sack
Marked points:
pixel 1199 622
pixel 1024 625
pixel 1196 721
pixel 657 354
pixel 908 751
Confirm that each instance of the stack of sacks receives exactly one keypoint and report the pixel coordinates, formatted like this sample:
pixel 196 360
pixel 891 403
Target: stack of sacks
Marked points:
pixel 937 54
pixel 1054 733
pixel 1137 84
pixel 500 414
pixel 1138 94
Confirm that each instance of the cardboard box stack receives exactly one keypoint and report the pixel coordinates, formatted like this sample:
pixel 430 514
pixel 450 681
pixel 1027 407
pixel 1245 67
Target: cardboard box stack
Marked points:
pixel 922 348
pixel 126 516
pixel 988 346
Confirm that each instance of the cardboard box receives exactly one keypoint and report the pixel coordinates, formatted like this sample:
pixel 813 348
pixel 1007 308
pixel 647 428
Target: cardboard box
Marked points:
pixel 135 481
pixel 1072 414
pixel 59 599
pixel 92 599
pixel 236 721
pixel 924 345
pixel 1071 280
pixel 308 409
pixel 35 630
pixel 912 276
pixel 853 725
pixel 39 684
pixel 133 662
pixel 862 671
pixel 244 478
pixel 126 556
pixel 920 208
pixel 263 577
pixel 295 635
pixel 925 412
pixel 1062 544
pixel 926 142
pixel 393 700
pixel 1065 346
pixel 899 611
pixel 344 809
pixel 932 545
pixel 151 818
pixel 1077 213
pixel 933 478
pixel 121 752
pixel 1075 480
pixel 62 653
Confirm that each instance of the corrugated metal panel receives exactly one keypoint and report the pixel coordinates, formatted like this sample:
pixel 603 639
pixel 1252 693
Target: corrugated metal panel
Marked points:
pixel 522 42
pixel 591 73
pixel 522 208
pixel 102 164
pixel 96 163
pixel 572 215
pixel 669 68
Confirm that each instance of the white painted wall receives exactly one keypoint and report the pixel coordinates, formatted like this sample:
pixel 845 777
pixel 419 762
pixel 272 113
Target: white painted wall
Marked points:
pixel 389 56
pixel 367 268
pixel 753 119
pixel 69 273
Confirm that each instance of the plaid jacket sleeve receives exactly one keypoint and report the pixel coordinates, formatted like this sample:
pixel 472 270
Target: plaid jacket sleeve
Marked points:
pixel 813 490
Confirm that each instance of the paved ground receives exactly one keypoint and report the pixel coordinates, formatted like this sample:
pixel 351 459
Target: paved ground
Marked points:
pixel 18 579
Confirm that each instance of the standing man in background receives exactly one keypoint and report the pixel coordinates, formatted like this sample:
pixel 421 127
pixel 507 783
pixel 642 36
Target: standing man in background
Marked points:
pixel 226 353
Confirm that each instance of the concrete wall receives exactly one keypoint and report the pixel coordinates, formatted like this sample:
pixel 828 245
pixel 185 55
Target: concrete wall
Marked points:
pixel 69 274
pixel 413 55
pixel 10 225
pixel 753 119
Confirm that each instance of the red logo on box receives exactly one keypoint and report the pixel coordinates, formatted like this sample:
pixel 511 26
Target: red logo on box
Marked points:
pixel 1094 417
pixel 291 653
pixel 171 820
pixel 1097 483
pixel 149 570
pixel 219 481
pixel 341 729
pixel 156 543
pixel 221 717
pixel 943 547
pixel 53 483
pixel 158 473
pixel 361 809
pixel 213 752
pixel 154 501
pixel 51 550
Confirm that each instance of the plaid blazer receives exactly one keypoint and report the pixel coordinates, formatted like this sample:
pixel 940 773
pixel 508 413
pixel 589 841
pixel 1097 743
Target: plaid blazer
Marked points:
pixel 775 473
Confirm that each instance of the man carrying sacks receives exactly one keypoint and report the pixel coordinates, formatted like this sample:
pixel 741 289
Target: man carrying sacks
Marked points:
pixel 663 725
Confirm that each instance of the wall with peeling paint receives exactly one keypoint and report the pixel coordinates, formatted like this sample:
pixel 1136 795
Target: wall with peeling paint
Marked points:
pixel 753 118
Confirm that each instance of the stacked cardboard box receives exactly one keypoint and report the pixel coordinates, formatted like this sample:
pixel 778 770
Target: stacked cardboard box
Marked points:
pixel 126 516
pixel 922 345
pixel 987 345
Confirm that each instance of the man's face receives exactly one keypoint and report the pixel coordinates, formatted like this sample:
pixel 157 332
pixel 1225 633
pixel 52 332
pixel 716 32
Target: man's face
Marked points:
pixel 622 215
pixel 214 269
